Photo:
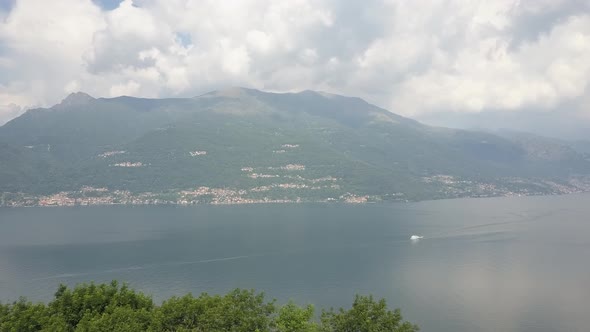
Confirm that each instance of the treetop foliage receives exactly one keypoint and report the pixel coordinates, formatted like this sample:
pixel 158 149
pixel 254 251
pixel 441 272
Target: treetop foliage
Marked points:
pixel 114 307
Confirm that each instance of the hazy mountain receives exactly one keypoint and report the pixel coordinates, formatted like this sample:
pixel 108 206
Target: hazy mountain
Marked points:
pixel 8 112
pixel 562 124
pixel 245 145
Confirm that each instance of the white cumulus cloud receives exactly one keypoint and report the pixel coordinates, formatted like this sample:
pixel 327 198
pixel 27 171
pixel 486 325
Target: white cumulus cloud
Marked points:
pixel 412 57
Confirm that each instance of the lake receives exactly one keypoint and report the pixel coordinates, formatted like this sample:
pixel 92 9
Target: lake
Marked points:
pixel 494 264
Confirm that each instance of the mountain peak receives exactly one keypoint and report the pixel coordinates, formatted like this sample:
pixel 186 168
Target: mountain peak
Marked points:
pixel 76 98
pixel 231 92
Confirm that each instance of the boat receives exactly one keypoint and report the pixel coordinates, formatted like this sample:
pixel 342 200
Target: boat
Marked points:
pixel 416 237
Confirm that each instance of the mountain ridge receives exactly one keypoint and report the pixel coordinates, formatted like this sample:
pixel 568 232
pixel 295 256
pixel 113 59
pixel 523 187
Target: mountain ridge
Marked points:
pixel 266 147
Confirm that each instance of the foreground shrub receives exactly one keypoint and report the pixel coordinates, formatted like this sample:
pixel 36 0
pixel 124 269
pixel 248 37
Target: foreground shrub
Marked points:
pixel 114 307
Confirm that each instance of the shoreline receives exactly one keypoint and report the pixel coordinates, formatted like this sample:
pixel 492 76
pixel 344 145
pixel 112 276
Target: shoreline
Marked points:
pixel 292 202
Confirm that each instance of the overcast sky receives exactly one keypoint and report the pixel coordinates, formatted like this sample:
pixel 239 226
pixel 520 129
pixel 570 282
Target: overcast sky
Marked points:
pixel 411 57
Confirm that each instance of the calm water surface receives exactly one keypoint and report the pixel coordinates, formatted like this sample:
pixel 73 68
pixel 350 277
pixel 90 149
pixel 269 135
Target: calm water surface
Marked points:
pixel 499 264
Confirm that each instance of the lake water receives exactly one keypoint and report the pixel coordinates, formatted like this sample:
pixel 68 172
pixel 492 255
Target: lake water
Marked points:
pixel 497 264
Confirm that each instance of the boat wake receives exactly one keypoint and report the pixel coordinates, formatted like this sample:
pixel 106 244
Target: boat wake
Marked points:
pixel 133 268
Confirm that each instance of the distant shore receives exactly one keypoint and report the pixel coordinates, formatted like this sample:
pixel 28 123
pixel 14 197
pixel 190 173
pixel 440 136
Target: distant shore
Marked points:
pixel 351 199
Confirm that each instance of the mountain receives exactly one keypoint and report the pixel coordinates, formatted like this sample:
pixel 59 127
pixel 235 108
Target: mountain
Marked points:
pixel 242 146
pixel 562 123
pixel 545 147
pixel 8 112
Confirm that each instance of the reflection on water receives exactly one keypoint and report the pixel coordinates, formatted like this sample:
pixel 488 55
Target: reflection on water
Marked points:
pixel 505 264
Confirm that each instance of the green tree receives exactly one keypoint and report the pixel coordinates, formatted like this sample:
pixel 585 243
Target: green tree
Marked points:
pixel 246 311
pixel 110 307
pixel 89 301
pixel 23 316
pixel 3 312
pixel 366 315
pixel 120 319
pixel 238 311
pixel 292 318
pixel 184 312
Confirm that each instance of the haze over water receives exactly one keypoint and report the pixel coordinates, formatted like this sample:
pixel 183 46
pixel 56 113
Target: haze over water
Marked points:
pixel 498 264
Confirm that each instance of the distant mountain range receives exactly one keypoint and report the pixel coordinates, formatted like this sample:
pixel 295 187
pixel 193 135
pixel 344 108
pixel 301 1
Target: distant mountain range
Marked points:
pixel 566 123
pixel 247 146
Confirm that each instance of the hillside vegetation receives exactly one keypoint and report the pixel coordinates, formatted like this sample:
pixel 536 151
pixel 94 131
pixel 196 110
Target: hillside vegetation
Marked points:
pixel 247 146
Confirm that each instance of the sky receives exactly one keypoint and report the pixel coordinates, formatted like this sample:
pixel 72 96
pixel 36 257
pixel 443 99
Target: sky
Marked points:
pixel 419 58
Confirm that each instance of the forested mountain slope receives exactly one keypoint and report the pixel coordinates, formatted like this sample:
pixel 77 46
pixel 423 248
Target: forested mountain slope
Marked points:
pixel 244 146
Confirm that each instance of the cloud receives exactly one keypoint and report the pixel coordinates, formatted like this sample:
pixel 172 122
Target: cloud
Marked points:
pixel 8 112
pixel 42 44
pixel 412 57
pixel 489 75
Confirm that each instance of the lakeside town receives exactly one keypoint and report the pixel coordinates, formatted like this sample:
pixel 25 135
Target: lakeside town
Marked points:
pixel 89 196
pixel 298 191
pixel 285 184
